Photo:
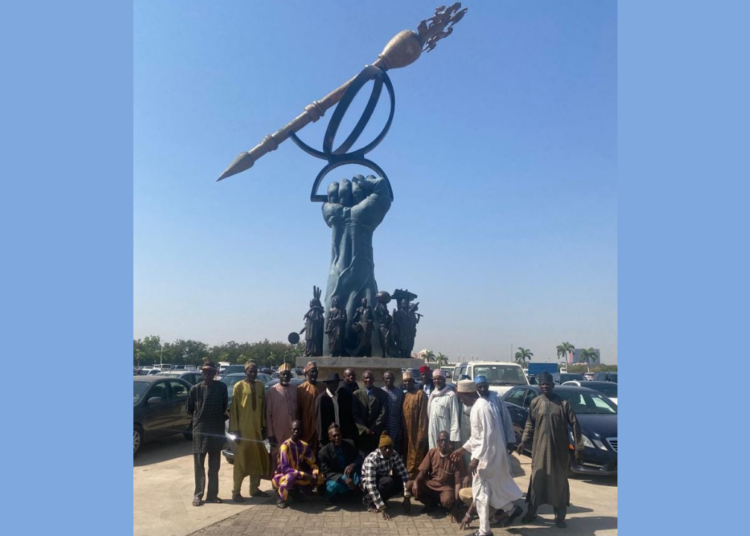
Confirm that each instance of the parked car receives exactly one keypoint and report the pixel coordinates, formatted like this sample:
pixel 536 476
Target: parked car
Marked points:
pixel 605 377
pixel 596 415
pixel 608 389
pixel 159 409
pixel 230 369
pixel 562 377
pixel 588 376
pixel 501 376
pixel 191 376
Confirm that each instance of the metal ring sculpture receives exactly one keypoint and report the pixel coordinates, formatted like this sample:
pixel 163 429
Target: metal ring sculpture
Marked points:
pixel 339 157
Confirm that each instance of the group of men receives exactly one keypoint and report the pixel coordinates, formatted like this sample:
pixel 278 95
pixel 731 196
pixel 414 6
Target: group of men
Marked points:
pixel 438 444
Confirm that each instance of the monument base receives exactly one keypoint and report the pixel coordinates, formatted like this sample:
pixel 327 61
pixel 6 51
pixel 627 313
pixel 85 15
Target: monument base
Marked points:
pixel 377 365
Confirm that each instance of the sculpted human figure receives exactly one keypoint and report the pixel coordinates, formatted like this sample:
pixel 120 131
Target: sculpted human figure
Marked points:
pixel 314 320
pixel 336 328
pixel 405 328
pixel 353 211
pixel 384 319
pixel 362 325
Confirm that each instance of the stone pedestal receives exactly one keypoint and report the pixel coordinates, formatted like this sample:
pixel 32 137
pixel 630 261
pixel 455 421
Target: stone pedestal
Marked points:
pixel 377 365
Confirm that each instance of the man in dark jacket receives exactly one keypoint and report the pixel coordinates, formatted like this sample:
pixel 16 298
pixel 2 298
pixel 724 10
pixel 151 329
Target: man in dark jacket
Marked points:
pixel 345 394
pixel 328 408
pixel 341 465
pixel 369 408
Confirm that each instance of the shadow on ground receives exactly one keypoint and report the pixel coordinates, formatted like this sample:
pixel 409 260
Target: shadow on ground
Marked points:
pixel 168 448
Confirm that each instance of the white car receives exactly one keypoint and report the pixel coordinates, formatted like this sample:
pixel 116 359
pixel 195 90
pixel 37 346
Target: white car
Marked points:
pixel 501 376
pixel 608 389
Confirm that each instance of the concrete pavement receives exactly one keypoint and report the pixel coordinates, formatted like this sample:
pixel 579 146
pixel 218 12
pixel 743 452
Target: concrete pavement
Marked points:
pixel 163 493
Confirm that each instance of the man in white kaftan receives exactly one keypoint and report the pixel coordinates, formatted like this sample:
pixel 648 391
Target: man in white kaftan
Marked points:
pixel 493 485
pixel 442 412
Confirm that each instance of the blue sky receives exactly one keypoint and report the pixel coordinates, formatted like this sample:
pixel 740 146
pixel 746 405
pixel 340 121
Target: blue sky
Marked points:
pixel 502 156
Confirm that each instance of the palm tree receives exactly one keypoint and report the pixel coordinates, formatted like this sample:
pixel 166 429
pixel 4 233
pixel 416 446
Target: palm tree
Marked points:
pixel 441 359
pixel 564 349
pixel 588 356
pixel 523 355
pixel 427 355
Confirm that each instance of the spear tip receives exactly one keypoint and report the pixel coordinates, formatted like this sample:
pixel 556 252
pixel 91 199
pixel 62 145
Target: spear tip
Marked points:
pixel 242 163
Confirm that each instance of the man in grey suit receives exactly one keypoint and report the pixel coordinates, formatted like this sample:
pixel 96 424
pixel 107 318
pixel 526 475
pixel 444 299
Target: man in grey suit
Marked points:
pixel 369 405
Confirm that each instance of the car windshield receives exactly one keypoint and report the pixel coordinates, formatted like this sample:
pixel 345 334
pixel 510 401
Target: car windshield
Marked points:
pixel 607 389
pixel 572 377
pixel 584 403
pixel 139 389
pixel 231 380
pixel 501 374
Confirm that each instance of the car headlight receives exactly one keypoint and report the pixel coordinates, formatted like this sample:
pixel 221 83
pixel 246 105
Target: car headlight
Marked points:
pixel 599 444
pixel 587 442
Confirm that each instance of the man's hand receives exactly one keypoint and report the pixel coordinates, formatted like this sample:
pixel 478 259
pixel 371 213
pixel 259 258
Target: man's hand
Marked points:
pixel 407 505
pixel 465 522
pixel 473 464
pixel 368 431
pixel 349 470
pixel 237 436
pixel 349 482
pixel 579 457
pixel 385 515
pixel 415 488
pixel 520 449
pixel 457 454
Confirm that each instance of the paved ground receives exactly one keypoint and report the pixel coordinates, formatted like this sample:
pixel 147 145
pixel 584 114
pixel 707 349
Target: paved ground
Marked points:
pixel 163 488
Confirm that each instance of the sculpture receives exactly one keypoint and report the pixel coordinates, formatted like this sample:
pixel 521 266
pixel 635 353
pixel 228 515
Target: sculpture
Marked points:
pixel 362 326
pixel 336 328
pixel 385 320
pixel 314 320
pixel 405 320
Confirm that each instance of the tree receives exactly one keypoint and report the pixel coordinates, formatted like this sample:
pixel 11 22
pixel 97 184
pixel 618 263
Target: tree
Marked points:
pixel 587 356
pixel 441 359
pixel 563 351
pixel 427 355
pixel 523 355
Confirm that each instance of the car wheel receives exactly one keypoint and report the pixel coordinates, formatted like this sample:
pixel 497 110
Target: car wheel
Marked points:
pixel 137 440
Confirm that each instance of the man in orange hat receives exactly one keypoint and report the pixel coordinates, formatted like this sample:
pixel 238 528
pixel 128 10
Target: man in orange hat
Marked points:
pixel 383 476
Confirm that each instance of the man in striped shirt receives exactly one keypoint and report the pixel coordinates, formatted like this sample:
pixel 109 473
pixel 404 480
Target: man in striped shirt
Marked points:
pixel 383 475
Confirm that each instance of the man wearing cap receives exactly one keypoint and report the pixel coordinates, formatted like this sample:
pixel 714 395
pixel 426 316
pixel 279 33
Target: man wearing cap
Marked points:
pixel 483 390
pixel 493 486
pixel 546 433
pixel 297 471
pixel 307 392
pixel 414 426
pixel 369 408
pixel 247 421
pixel 383 476
pixel 281 411
pixel 442 410
pixel 207 403
pixel 394 414
pixel 440 478
pixel 327 408
pixel 341 465
pixel 426 375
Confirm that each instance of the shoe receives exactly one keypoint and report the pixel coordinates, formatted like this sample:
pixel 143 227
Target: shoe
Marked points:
pixel 517 511
pixel 236 497
pixel 528 518
pixel 214 500
pixel 561 524
pixel 259 493
pixel 197 502
pixel 281 504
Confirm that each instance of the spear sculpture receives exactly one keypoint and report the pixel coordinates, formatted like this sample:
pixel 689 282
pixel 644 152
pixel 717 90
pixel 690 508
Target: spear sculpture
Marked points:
pixel 404 49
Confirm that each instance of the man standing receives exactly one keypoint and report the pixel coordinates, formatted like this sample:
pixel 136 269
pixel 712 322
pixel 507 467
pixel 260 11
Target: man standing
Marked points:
pixel 547 433
pixel 426 375
pixel 327 408
pixel 247 421
pixel 414 426
pixel 440 478
pixel 369 409
pixel 493 485
pixel 281 411
pixel 341 464
pixel 394 413
pixel 207 403
pixel 483 390
pixel 442 410
pixel 307 392
pixel 383 474
pixel 346 393
pixel 297 470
